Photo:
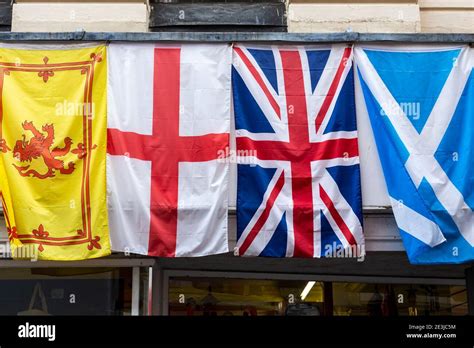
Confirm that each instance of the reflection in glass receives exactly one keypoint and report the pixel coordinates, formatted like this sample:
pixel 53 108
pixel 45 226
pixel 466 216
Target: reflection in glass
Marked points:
pixel 190 296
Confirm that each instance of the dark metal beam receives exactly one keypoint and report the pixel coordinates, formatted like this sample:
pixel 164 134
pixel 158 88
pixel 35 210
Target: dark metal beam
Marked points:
pixel 109 261
pixel 239 37
pixel 386 264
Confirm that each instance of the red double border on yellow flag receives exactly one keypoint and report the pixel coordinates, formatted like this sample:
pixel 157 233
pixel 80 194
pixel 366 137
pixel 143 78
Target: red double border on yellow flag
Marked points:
pixel 52 151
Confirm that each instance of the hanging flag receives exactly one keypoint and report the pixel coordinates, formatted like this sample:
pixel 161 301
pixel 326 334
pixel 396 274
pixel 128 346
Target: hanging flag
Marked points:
pixel 53 151
pixel 7 207
pixel 169 119
pixel 420 103
pixel 298 189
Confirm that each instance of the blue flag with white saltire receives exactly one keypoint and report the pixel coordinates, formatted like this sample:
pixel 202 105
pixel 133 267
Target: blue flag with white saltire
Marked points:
pixel 420 102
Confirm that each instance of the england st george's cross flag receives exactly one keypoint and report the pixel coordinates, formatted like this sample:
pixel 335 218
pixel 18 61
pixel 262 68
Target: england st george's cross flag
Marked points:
pixel 168 131
pixel 298 189
pixel 52 150
pixel 420 102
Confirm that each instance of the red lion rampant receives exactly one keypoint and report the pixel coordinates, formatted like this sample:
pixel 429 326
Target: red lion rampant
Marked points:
pixel 40 145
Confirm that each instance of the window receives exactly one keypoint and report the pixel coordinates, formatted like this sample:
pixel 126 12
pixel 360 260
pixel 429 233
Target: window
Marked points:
pixel 5 15
pixel 219 297
pixel 207 296
pixel 71 291
pixel 355 299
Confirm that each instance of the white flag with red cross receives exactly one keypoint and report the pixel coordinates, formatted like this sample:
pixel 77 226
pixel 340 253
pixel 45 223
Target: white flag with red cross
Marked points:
pixel 168 131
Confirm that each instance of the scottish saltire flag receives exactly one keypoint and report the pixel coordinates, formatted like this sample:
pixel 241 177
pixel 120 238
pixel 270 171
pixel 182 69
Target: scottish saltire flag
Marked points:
pixel 168 135
pixel 298 189
pixel 420 102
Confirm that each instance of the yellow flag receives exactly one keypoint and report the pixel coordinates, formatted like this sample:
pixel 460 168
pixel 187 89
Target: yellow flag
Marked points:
pixel 5 196
pixel 53 138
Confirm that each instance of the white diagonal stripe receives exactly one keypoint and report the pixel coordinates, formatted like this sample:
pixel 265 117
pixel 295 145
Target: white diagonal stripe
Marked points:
pixel 416 224
pixel 422 147
pixel 279 125
pixel 343 207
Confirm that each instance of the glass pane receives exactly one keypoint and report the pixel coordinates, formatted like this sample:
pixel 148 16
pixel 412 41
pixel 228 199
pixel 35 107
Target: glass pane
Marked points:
pixel 65 291
pixel 246 297
pixel 253 297
pixel 398 299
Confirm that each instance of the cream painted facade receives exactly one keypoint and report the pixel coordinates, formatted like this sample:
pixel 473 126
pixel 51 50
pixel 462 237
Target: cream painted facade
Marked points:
pixel 99 16
pixel 357 16
pixel 447 16
pixel 395 16
pixel 372 16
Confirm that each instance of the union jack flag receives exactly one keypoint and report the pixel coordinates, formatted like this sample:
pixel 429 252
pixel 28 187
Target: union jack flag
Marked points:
pixel 298 189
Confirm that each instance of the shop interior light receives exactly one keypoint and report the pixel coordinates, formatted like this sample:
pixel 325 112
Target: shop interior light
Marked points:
pixel 306 290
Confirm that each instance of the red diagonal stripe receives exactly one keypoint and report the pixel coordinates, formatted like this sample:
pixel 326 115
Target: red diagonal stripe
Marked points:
pixel 259 80
pixel 336 216
pixel 332 89
pixel 264 216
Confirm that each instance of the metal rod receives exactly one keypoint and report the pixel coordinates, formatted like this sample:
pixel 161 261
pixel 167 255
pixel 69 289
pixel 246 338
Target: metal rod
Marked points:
pixel 350 278
pixel 238 36
pixel 102 262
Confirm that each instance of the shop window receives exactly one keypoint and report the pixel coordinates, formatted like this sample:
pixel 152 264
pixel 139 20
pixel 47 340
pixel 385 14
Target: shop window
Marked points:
pixel 218 15
pixel 257 297
pixel 69 291
pixel 239 297
pixel 5 15
pixel 356 299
